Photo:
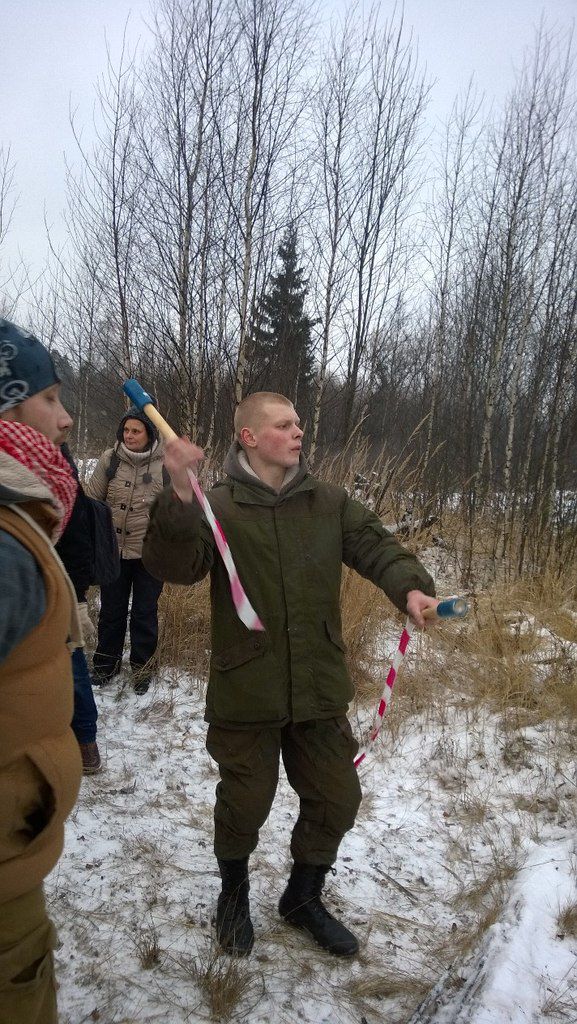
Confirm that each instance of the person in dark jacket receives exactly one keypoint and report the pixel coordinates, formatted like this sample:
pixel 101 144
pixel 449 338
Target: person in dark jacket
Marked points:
pixel 285 691
pixel 128 477
pixel 40 766
pixel 74 548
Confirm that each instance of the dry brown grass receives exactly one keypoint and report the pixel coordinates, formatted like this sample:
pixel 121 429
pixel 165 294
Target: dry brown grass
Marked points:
pixel 386 984
pixel 473 810
pixel 231 988
pixel 567 919
pixel 489 892
pixel 536 804
pixel 184 630
pixel 147 947
pixel 507 655
pixel 464 940
pixel 480 903
pixel 560 1005
pixel 364 610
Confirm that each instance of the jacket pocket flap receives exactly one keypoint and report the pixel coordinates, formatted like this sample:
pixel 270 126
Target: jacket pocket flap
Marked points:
pixel 335 635
pixel 238 654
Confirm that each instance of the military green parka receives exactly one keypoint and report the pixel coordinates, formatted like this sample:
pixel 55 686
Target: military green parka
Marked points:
pixel 289 548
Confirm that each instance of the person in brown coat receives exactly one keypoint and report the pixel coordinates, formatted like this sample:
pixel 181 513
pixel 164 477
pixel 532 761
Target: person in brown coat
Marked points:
pixel 128 477
pixel 40 765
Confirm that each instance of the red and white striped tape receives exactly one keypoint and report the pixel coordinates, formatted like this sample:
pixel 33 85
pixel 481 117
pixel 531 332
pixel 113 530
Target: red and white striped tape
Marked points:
pixel 244 609
pixel 384 702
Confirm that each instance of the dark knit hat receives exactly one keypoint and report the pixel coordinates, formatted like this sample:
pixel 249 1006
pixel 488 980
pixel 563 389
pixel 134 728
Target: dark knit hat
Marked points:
pixel 136 414
pixel 26 366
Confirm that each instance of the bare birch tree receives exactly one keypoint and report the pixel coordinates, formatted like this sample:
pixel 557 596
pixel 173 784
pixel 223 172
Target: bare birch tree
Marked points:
pixel 258 117
pixel 9 275
pixel 447 233
pixel 387 141
pixel 102 199
pixel 192 45
pixel 335 122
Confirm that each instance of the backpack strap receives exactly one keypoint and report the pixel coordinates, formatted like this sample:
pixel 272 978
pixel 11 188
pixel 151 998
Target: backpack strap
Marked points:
pixel 112 466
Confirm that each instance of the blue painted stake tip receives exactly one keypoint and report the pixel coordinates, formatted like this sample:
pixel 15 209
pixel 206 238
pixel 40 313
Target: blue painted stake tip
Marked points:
pixel 136 393
pixel 453 607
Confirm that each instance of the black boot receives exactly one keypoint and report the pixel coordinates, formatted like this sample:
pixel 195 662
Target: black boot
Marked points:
pixel 301 906
pixel 234 929
pixel 104 670
pixel 140 679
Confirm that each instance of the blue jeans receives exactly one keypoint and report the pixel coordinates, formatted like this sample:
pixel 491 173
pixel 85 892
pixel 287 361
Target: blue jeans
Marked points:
pixel 85 711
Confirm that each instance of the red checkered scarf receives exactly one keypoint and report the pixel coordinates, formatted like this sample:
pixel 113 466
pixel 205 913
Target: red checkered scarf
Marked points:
pixel 36 453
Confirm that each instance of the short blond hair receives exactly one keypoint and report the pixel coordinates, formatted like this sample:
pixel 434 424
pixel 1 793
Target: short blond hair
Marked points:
pixel 248 412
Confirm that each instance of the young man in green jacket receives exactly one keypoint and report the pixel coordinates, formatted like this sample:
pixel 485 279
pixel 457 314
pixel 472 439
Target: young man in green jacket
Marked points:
pixel 284 691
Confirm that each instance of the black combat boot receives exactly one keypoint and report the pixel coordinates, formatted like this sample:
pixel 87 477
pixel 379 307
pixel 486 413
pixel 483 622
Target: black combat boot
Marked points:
pixel 301 906
pixel 234 929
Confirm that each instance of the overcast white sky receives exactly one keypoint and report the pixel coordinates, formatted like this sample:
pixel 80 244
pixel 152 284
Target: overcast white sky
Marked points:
pixel 53 52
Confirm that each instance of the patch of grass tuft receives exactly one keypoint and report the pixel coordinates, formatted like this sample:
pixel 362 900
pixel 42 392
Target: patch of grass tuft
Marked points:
pixel 567 920
pixel 147 947
pixel 230 987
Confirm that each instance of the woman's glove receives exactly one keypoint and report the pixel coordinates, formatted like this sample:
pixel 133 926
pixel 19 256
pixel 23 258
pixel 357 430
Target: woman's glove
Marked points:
pixel 88 630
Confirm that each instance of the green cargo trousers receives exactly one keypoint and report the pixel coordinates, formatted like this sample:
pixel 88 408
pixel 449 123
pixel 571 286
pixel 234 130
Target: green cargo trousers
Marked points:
pixel 27 938
pixel 318 758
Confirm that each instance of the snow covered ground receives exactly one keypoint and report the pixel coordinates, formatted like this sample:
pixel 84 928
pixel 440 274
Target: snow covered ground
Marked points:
pixel 463 855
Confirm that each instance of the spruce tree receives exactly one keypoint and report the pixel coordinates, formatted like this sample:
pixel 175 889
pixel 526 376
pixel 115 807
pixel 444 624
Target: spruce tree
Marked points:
pixel 281 343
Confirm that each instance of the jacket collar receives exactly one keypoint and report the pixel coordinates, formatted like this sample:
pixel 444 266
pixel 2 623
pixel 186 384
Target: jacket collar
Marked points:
pixel 156 451
pixel 20 484
pixel 247 487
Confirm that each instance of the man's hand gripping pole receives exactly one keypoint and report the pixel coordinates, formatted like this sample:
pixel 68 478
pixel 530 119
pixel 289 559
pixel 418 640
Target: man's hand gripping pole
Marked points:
pixel 246 613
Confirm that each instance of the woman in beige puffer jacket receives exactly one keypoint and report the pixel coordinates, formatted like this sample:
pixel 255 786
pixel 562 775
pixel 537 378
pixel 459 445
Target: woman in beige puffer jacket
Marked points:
pixel 128 477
